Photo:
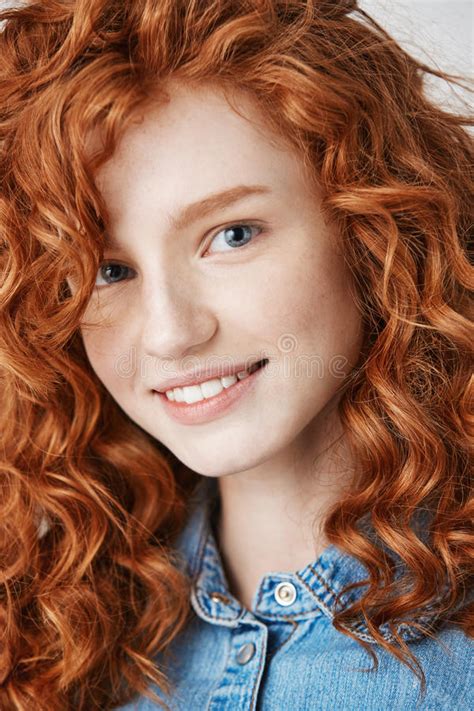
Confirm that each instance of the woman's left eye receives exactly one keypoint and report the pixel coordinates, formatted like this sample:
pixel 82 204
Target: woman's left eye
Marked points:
pixel 233 236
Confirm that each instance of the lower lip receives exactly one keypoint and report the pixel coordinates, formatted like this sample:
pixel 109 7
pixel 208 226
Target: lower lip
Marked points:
pixel 207 410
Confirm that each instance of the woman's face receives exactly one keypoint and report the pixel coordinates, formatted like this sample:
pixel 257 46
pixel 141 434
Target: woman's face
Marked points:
pixel 257 275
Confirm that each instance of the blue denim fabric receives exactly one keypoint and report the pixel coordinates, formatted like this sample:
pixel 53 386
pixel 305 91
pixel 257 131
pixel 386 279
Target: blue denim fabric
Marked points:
pixel 289 657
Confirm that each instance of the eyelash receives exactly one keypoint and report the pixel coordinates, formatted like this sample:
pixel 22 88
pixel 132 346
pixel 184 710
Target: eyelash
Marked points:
pixel 258 227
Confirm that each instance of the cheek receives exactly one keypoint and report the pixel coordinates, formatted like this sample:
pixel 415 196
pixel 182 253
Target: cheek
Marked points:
pixel 307 288
pixel 309 307
pixel 111 359
pixel 107 340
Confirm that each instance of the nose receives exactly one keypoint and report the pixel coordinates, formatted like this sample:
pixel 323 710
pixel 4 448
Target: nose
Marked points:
pixel 176 319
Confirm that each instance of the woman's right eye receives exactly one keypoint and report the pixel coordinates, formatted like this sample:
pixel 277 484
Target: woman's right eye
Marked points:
pixel 113 271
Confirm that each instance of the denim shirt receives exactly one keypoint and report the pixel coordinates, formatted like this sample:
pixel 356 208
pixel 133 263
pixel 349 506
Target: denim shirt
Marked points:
pixel 284 653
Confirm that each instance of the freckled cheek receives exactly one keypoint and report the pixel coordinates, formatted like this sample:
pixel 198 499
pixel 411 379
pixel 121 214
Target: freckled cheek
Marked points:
pixel 313 302
pixel 106 337
pixel 292 297
pixel 110 357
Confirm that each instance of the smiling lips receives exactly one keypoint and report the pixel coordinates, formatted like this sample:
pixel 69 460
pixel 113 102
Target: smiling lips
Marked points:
pixel 223 376
pixel 191 406
pixel 207 389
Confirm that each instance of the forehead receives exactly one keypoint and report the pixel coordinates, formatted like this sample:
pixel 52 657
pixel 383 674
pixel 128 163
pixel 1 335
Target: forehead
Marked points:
pixel 188 155
pixel 194 134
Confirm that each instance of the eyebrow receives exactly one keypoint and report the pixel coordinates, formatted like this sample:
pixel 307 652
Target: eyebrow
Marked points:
pixel 204 207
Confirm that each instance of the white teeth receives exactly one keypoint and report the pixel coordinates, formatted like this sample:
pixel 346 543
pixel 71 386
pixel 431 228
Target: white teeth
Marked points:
pixel 192 393
pixel 211 388
pixel 178 394
pixel 228 380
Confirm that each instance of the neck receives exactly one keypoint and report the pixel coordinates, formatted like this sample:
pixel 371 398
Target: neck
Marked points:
pixel 275 522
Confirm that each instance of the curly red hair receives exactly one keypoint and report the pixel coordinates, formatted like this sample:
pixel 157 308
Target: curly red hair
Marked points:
pixel 86 605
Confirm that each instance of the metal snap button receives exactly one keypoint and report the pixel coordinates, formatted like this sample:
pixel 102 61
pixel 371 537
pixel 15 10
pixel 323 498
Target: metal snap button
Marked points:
pixel 285 593
pixel 246 653
pixel 219 597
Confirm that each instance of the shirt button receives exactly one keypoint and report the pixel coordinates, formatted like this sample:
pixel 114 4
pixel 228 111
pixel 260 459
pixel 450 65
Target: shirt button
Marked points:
pixel 285 593
pixel 246 653
pixel 219 597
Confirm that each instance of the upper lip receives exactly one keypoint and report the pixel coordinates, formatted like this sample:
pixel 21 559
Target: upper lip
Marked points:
pixel 199 376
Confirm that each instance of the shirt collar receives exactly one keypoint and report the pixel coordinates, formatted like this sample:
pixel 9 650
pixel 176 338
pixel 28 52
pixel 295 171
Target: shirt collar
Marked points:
pixel 317 584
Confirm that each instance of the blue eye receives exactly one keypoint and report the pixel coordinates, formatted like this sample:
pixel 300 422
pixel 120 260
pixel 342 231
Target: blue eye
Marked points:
pixel 114 268
pixel 235 236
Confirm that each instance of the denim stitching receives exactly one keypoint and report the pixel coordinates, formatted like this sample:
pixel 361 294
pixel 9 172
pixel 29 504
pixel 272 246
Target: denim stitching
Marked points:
pixel 323 605
pixel 260 666
pixel 322 581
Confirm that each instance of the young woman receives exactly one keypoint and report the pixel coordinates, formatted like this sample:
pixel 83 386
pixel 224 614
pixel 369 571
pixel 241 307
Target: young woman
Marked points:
pixel 235 350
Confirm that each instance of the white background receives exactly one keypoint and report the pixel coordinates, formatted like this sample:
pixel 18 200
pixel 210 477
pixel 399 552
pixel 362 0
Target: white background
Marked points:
pixel 440 32
pixel 437 32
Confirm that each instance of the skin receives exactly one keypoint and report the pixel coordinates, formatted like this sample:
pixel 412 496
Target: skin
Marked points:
pixel 186 297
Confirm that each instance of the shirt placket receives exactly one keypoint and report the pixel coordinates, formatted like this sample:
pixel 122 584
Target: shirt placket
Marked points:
pixel 279 598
